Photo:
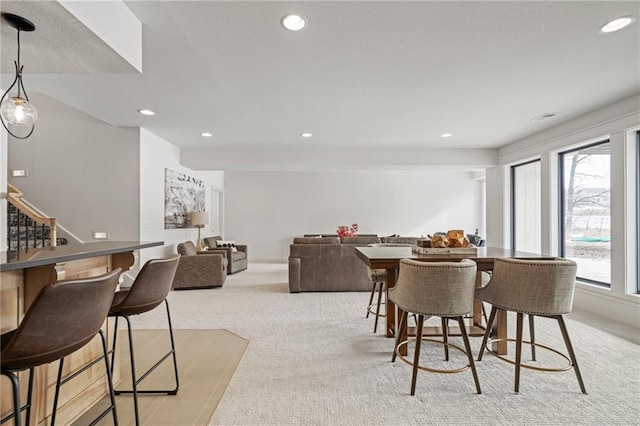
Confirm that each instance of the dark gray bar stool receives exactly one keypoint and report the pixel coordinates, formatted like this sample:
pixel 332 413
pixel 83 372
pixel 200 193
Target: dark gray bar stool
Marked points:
pixel 149 290
pixel 64 316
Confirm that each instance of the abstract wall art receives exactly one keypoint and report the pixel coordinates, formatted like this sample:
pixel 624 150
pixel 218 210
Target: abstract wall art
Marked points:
pixel 182 195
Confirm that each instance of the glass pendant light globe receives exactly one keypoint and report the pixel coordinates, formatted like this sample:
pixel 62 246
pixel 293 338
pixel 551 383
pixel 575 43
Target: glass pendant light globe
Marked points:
pixel 17 111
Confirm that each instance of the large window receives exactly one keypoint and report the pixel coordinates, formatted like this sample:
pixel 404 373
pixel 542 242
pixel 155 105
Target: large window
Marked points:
pixel 525 207
pixel 586 211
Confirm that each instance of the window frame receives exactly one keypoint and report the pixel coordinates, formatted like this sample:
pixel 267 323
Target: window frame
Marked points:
pixel 637 189
pixel 561 206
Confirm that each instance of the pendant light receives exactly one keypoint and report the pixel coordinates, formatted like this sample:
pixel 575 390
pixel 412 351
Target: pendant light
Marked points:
pixel 16 111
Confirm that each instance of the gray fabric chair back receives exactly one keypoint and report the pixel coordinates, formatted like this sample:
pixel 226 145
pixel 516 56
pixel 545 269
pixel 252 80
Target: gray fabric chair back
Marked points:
pixel 539 287
pixel 187 249
pixel 443 289
pixel 150 288
pixel 64 317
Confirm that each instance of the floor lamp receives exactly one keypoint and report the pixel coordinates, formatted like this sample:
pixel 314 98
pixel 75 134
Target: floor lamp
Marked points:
pixel 199 220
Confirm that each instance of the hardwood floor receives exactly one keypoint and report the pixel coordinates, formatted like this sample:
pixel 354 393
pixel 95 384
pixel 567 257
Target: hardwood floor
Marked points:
pixel 206 362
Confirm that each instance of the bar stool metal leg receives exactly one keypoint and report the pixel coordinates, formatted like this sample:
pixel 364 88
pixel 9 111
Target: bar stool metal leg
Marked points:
pixel 519 325
pixel 416 354
pixel 487 332
pixel 403 325
pixel 532 337
pixel 445 337
pixel 17 409
pixel 467 346
pixel 380 291
pixel 572 355
pixel 373 291
pixel 108 373
pixel 135 380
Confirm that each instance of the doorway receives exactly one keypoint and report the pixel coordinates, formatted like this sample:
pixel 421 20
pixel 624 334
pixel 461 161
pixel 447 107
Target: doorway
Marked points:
pixel 217 217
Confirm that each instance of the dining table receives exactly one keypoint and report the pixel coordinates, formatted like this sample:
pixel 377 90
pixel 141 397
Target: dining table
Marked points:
pixel 388 257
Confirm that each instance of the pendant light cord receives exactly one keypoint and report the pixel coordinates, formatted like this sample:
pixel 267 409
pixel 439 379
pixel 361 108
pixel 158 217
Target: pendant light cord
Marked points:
pixel 18 67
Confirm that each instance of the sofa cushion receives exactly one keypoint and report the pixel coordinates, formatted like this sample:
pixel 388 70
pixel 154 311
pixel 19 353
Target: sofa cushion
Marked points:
pixel 316 240
pixel 360 240
pixel 401 240
pixel 238 255
pixel 187 249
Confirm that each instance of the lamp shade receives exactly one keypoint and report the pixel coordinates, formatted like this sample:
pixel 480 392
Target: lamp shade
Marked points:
pixel 199 218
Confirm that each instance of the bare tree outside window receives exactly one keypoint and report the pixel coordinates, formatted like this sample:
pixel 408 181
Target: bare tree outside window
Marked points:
pixel 586 212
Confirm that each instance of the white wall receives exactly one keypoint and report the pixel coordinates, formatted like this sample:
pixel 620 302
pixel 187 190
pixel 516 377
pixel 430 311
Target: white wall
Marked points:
pixel 267 209
pixel 156 154
pixel 82 171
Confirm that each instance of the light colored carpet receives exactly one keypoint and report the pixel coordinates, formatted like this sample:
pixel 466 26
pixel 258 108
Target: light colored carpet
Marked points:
pixel 312 359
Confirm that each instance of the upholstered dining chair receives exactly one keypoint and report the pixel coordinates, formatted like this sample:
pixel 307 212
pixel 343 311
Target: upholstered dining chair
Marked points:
pixel 64 317
pixel 149 290
pixel 442 289
pixel 537 288
pixel 379 283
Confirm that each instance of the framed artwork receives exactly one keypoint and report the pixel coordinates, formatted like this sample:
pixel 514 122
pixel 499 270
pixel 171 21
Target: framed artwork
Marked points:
pixel 182 195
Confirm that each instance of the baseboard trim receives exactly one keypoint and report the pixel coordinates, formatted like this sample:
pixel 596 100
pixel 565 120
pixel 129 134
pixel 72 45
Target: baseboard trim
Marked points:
pixel 608 306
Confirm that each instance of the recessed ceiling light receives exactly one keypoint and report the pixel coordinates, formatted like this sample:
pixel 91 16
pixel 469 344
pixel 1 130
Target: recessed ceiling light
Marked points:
pixel 293 22
pixel 306 135
pixel 617 24
pixel 206 134
pixel 146 112
pixel 446 135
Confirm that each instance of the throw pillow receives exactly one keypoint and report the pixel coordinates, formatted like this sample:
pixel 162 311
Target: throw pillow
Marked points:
pixel 222 243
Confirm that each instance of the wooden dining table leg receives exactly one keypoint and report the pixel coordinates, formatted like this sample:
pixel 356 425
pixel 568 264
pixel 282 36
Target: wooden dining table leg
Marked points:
pixel 500 332
pixel 394 312
pixel 500 324
pixel 477 304
pixel 390 306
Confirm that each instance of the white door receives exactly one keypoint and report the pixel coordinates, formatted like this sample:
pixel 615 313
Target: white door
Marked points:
pixel 216 212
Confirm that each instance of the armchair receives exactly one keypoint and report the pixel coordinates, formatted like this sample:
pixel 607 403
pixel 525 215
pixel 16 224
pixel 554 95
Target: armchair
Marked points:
pixel 237 258
pixel 199 269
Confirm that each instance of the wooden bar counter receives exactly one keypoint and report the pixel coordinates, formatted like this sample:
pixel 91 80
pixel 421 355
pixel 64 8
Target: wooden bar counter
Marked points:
pixel 22 275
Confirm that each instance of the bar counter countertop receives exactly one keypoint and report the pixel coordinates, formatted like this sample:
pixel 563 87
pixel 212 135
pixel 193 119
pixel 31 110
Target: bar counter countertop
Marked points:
pixel 14 260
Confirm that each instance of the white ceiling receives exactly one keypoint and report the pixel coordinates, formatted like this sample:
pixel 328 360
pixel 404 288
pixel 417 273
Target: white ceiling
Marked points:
pixel 362 74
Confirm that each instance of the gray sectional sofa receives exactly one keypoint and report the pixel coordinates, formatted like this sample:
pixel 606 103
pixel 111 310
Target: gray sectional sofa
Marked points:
pixel 329 263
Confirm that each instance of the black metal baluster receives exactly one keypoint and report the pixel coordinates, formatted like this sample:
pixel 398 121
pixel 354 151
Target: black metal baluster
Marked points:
pixel 19 229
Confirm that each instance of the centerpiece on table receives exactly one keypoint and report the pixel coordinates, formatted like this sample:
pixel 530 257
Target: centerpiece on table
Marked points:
pixel 454 241
pixel 347 231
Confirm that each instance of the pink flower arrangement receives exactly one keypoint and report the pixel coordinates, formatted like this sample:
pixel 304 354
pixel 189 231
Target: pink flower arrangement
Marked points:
pixel 347 231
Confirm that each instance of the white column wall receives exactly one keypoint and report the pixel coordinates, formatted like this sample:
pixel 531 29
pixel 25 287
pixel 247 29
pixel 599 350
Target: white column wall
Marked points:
pixel 498 202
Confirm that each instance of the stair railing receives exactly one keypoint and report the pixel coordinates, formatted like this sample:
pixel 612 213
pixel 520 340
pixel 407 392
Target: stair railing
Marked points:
pixel 24 211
